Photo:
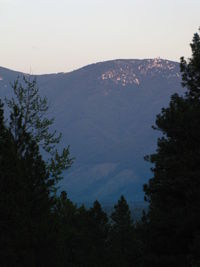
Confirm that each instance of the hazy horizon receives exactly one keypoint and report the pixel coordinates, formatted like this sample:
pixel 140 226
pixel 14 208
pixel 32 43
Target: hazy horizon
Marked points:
pixel 51 36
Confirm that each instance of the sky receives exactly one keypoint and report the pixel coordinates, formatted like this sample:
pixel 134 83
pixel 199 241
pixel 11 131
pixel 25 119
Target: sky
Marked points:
pixel 46 36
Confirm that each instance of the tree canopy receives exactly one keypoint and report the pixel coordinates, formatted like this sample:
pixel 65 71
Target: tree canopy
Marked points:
pixel 173 192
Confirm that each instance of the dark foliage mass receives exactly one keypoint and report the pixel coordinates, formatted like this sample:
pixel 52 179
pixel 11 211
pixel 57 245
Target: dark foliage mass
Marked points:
pixel 173 221
pixel 38 227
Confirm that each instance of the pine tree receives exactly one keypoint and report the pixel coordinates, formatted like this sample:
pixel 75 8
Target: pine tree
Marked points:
pixel 29 109
pixel 173 192
pixel 27 182
pixel 98 234
pixel 8 183
pixel 25 201
pixel 122 235
pixel 65 213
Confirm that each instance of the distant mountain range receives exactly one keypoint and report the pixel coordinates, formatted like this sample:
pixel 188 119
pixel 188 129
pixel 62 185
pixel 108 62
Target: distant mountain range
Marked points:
pixel 105 112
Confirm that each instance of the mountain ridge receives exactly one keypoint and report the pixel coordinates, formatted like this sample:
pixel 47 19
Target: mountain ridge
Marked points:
pixel 90 65
pixel 105 111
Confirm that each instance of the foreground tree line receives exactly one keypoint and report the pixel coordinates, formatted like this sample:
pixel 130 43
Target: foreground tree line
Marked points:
pixel 38 227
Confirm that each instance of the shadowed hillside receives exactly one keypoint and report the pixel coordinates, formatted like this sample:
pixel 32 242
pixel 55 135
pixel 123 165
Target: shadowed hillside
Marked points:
pixel 105 112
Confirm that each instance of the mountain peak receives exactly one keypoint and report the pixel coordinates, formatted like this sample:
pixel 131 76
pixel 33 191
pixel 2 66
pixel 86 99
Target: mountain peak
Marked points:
pixel 131 72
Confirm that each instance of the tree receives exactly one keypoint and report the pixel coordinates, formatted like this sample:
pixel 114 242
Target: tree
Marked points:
pixel 82 234
pixel 98 234
pixel 122 235
pixel 25 201
pixel 7 200
pixel 27 182
pixel 65 213
pixel 32 109
pixel 173 192
pixel 89 236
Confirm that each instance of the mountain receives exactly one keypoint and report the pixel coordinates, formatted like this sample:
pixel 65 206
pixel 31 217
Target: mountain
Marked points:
pixel 105 112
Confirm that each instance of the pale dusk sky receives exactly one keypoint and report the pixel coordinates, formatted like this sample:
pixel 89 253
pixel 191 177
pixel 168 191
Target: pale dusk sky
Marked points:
pixel 45 36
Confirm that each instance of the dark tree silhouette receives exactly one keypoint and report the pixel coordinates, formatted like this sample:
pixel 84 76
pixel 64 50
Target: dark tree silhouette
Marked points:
pixel 25 199
pixel 173 192
pixel 32 109
pixel 122 235
pixel 27 182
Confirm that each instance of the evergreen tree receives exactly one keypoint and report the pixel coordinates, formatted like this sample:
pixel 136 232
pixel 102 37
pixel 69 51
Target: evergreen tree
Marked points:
pixel 82 241
pixel 82 234
pixel 98 233
pixel 25 200
pixel 30 109
pixel 65 213
pixel 122 235
pixel 8 183
pixel 27 182
pixel 173 193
